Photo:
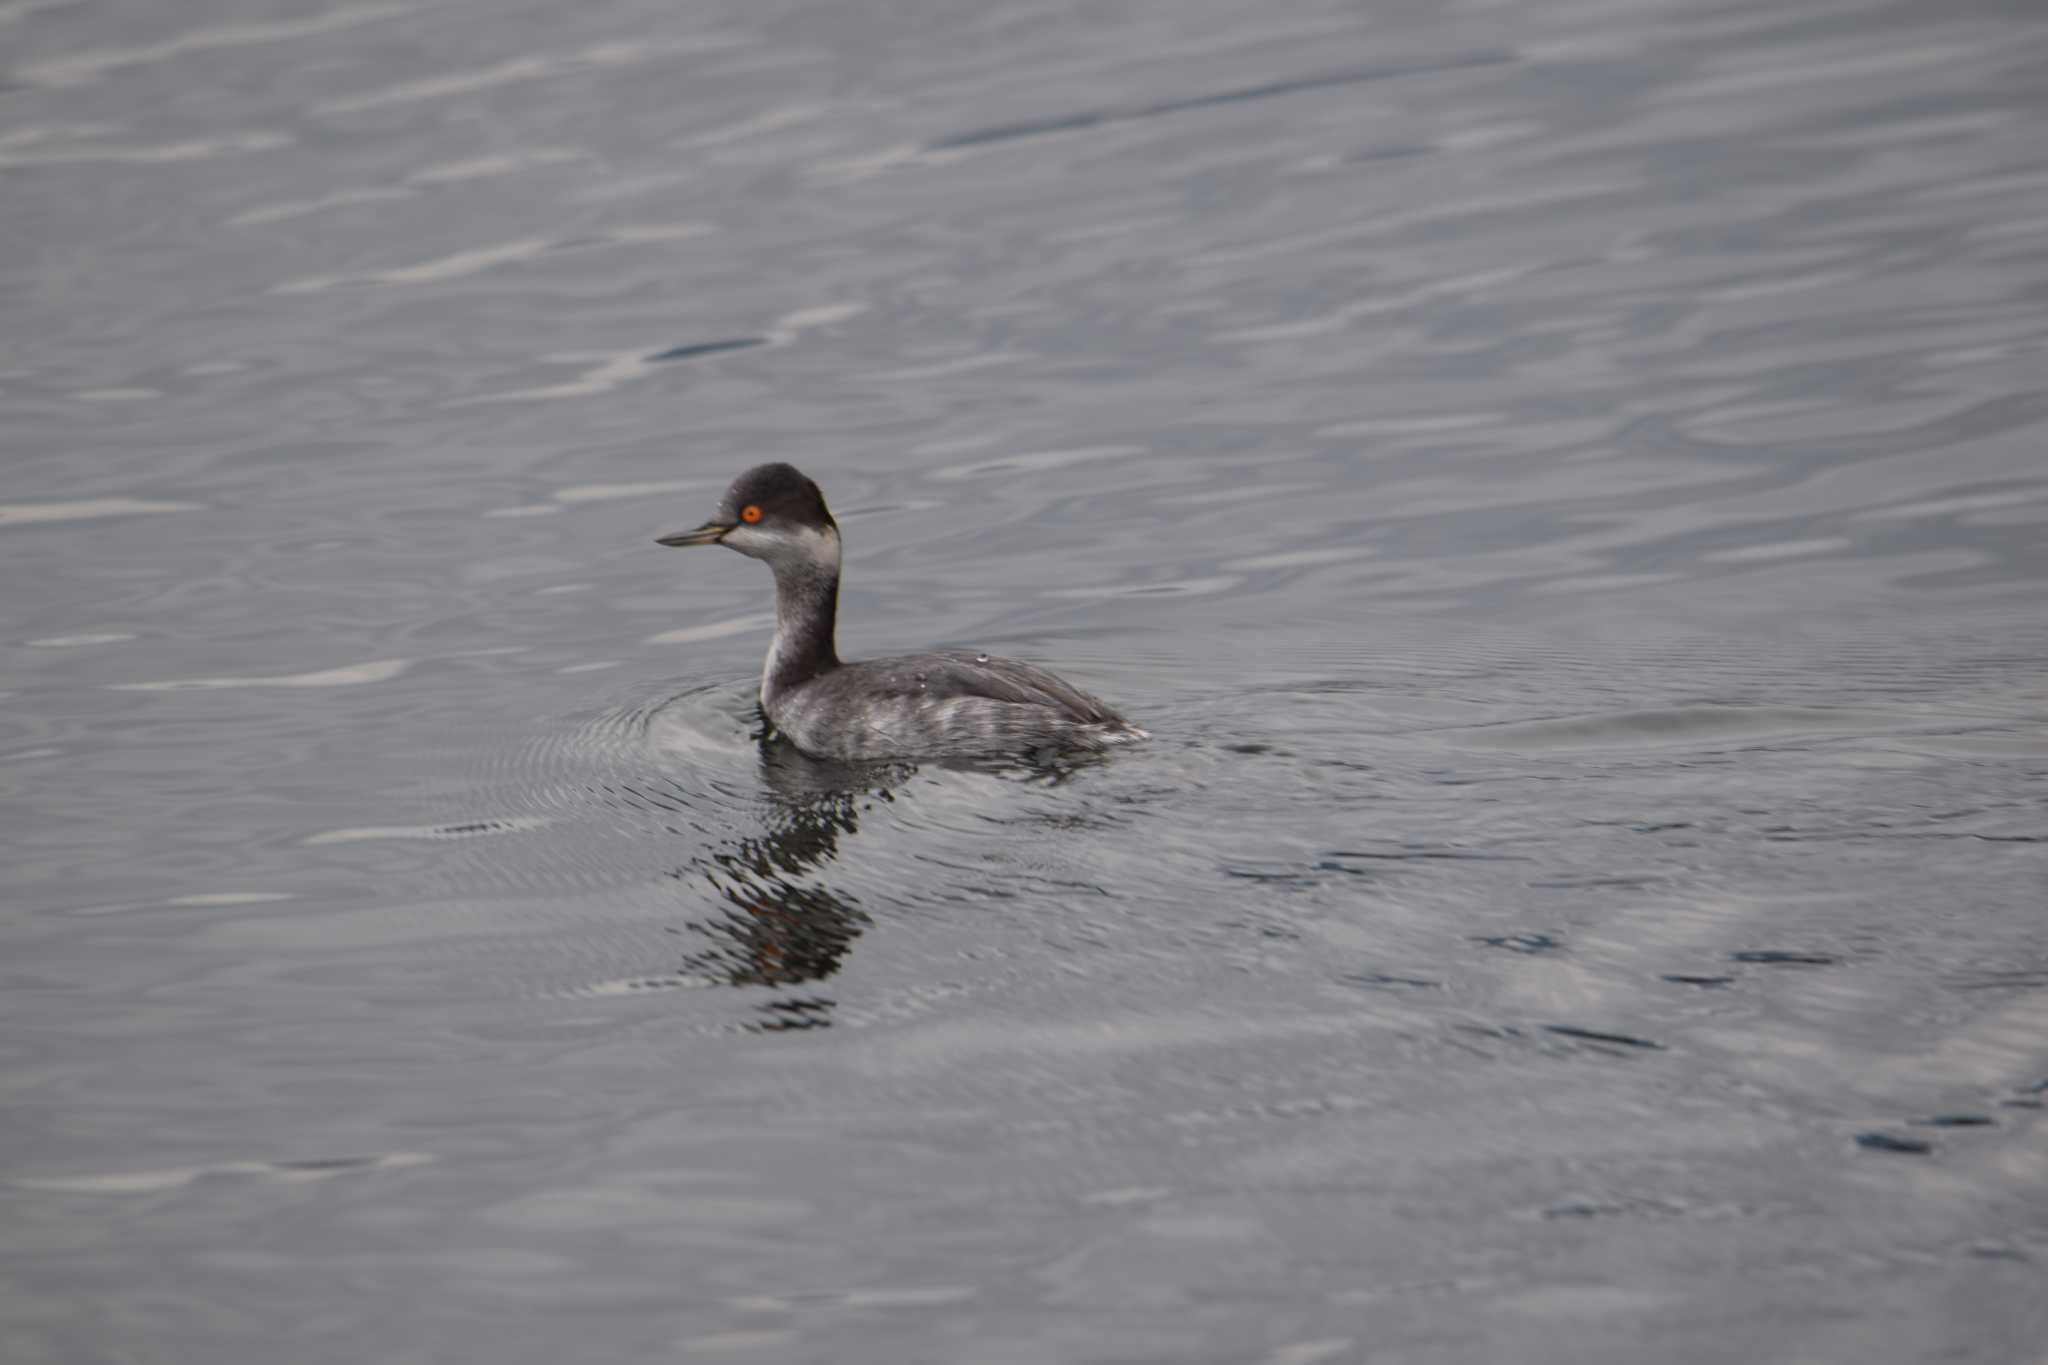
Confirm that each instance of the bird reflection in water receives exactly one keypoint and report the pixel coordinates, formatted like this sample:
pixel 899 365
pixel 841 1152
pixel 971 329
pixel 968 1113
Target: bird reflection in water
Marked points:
pixel 779 926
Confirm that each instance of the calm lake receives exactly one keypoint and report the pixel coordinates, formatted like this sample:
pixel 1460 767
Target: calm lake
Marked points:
pixel 1564 484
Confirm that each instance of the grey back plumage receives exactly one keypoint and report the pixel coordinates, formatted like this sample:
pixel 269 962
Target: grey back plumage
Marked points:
pixel 949 674
pixel 952 703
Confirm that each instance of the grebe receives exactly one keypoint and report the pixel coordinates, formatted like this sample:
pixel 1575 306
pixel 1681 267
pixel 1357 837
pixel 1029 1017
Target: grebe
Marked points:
pixel 949 704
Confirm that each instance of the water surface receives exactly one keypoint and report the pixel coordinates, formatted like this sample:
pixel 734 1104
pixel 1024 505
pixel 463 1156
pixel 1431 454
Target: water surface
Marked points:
pixel 1563 484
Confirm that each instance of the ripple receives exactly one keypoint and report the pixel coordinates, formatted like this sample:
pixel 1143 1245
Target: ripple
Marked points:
pixel 443 173
pixel 1179 587
pixel 798 321
pixel 178 1177
pixel 1809 68
pixel 936 1047
pixel 227 898
pixel 1783 549
pixel 636 985
pixel 1296 559
pixel 1603 582
pixel 297 208
pixel 1035 462
pixel 489 167
pixel 112 637
pixel 1954 503
pixel 87 509
pixel 1344 318
pixel 455 266
pixel 14 11
pixel 435 833
pixel 517 70
pixel 693 349
pixel 713 630
pixel 129 395
pixel 614 369
pixel 1431 425
pixel 349 675
pixel 1591 1035
pixel 1674 726
pixel 945 369
pixel 82 68
pixel 474 260
pixel 1294 85
pixel 768 121
pixel 145 154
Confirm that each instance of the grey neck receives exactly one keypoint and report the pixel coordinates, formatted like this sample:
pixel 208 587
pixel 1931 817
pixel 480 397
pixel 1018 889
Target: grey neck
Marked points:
pixel 806 611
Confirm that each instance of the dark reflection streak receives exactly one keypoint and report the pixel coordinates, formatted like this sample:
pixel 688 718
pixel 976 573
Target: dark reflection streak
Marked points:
pixel 787 1015
pixel 1352 76
pixel 1372 154
pixel 777 924
pixel 1037 128
pixel 1592 1035
pixel 780 926
pixel 1092 118
pixel 691 351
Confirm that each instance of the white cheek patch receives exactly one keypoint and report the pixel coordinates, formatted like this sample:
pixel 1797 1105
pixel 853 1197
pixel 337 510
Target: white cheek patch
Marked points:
pixel 807 546
pixel 749 541
pixel 819 547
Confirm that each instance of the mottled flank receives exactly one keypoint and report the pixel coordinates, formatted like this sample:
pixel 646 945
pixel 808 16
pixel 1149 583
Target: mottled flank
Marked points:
pixel 954 704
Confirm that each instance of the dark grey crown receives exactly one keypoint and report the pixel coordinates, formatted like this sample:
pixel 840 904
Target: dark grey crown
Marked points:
pixel 781 492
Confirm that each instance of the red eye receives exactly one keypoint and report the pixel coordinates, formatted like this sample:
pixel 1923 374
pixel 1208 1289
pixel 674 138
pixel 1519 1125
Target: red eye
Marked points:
pixel 750 513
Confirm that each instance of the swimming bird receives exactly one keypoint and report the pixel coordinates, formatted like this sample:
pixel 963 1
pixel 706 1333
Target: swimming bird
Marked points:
pixel 950 704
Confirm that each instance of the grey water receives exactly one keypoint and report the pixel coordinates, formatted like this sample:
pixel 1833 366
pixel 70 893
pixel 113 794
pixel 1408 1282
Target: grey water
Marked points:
pixel 1565 485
